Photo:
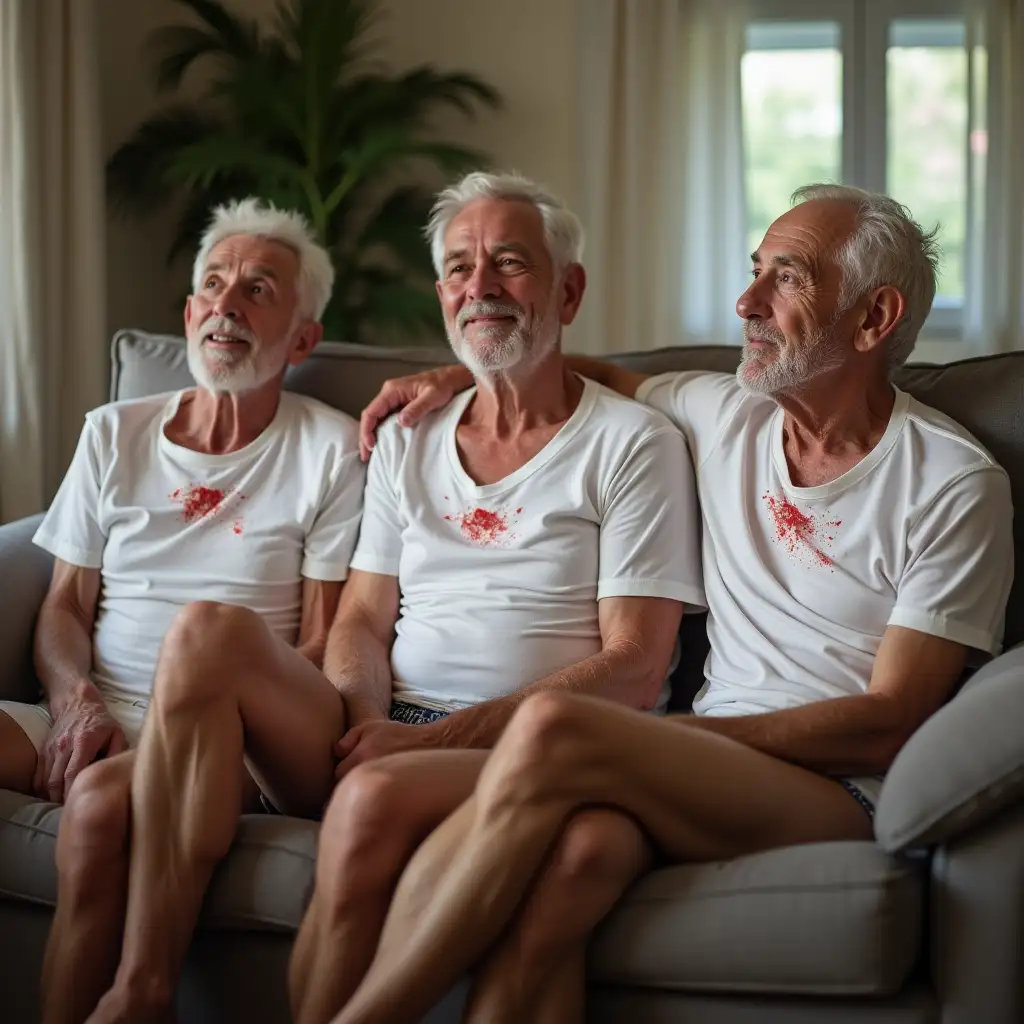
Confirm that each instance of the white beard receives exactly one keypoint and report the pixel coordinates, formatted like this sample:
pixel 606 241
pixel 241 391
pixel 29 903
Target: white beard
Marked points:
pixel 499 349
pixel 791 370
pixel 226 372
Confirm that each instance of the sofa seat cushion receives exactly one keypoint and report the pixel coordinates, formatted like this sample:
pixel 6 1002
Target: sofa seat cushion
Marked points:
pixel 821 919
pixel 263 884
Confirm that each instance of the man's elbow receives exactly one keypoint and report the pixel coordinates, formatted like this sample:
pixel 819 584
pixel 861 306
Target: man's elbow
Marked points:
pixel 648 682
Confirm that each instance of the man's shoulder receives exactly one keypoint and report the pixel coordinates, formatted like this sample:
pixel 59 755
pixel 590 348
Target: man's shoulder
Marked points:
pixel 950 447
pixel 616 412
pixel 324 422
pixel 129 416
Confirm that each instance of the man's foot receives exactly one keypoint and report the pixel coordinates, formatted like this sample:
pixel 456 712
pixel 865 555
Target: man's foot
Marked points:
pixel 134 1005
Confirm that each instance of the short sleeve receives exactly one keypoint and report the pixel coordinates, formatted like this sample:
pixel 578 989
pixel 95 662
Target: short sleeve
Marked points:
pixel 650 531
pixel 699 402
pixel 332 538
pixel 960 563
pixel 72 528
pixel 380 538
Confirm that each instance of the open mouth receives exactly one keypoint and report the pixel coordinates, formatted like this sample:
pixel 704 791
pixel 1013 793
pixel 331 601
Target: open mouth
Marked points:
pixel 218 339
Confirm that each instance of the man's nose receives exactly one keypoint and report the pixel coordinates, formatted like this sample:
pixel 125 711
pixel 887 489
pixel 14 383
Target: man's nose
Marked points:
pixel 485 283
pixel 227 303
pixel 753 303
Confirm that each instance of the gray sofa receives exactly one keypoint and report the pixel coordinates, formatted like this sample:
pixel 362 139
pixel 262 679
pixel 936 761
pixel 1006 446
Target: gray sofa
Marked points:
pixel 922 926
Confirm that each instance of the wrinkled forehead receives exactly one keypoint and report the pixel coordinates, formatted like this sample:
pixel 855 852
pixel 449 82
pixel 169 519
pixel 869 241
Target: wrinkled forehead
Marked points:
pixel 268 256
pixel 814 232
pixel 492 223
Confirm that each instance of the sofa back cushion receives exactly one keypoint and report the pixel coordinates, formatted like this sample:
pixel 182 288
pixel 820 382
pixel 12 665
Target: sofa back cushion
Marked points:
pixel 985 395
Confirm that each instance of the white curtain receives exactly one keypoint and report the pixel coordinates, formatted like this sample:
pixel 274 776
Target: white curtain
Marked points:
pixel 53 358
pixel 995 258
pixel 661 173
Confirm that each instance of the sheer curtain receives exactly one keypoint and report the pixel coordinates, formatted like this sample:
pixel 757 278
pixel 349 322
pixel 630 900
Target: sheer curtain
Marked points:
pixel 661 173
pixel 52 346
pixel 995 265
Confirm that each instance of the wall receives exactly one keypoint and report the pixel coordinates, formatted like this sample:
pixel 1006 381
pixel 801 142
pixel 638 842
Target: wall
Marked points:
pixel 526 50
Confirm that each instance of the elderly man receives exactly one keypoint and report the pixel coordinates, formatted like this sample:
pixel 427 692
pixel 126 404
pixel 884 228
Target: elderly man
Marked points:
pixel 233 491
pixel 857 548
pixel 538 536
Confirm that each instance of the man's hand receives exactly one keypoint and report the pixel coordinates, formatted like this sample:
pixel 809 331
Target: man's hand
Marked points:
pixel 82 732
pixel 378 738
pixel 415 395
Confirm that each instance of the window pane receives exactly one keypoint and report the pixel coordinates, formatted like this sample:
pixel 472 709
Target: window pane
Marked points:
pixel 791 79
pixel 926 160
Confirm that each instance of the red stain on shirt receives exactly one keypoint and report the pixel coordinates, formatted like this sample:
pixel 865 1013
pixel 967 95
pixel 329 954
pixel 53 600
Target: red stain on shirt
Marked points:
pixel 200 502
pixel 237 527
pixel 483 527
pixel 799 530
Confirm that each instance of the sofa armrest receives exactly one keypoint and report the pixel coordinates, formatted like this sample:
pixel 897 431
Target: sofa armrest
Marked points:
pixel 964 765
pixel 25 571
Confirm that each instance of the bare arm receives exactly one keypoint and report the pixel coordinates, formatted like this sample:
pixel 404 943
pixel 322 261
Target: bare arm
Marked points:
pixel 637 638
pixel 63 638
pixel 319 606
pixel 82 728
pixel 914 674
pixel 358 656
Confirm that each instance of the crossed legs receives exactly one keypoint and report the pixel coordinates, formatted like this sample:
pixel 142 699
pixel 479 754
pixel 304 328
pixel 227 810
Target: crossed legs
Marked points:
pixel 225 686
pixel 699 797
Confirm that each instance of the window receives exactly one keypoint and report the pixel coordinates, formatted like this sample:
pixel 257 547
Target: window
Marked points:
pixel 868 94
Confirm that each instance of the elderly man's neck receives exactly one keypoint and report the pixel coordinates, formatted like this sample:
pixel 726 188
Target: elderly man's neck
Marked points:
pixel 511 402
pixel 832 423
pixel 217 423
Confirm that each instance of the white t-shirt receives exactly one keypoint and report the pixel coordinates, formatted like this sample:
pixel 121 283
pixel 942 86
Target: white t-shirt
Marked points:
pixel 166 525
pixel 500 583
pixel 802 582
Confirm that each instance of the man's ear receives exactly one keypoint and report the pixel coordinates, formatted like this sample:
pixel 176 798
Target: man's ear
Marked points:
pixel 574 284
pixel 188 312
pixel 884 309
pixel 306 338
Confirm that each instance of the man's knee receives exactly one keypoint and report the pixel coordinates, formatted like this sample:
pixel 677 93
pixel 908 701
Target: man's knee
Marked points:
pixel 369 831
pixel 202 634
pixel 597 850
pixel 94 824
pixel 547 738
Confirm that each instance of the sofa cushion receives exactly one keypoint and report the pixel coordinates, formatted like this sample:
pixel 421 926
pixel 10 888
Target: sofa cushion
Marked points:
pixel 965 764
pixel 263 883
pixel 821 919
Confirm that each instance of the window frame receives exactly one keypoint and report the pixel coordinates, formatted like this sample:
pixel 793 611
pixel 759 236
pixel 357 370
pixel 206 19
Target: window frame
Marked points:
pixel 864 42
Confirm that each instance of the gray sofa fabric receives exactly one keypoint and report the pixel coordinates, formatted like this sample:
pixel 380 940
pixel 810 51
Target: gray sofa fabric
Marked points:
pixel 853 921
pixel 843 932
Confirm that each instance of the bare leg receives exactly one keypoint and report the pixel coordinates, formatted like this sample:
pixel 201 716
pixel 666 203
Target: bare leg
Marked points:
pixel 699 796
pixel 536 972
pixel 224 684
pixel 378 816
pixel 92 883
pixel 17 756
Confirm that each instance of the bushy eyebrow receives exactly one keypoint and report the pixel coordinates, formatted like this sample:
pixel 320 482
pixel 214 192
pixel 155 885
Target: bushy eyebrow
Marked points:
pixel 784 260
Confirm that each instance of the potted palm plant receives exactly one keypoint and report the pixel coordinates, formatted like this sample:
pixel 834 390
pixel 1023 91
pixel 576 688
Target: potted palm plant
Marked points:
pixel 300 115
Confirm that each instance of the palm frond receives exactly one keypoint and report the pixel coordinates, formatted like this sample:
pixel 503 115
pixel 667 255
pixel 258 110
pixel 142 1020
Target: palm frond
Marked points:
pixel 300 115
pixel 396 227
pixel 137 171
pixel 237 36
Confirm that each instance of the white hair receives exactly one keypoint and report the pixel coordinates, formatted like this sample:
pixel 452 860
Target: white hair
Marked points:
pixel 887 247
pixel 252 216
pixel 563 233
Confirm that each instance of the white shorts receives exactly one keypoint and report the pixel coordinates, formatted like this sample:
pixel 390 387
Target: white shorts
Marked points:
pixel 36 721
